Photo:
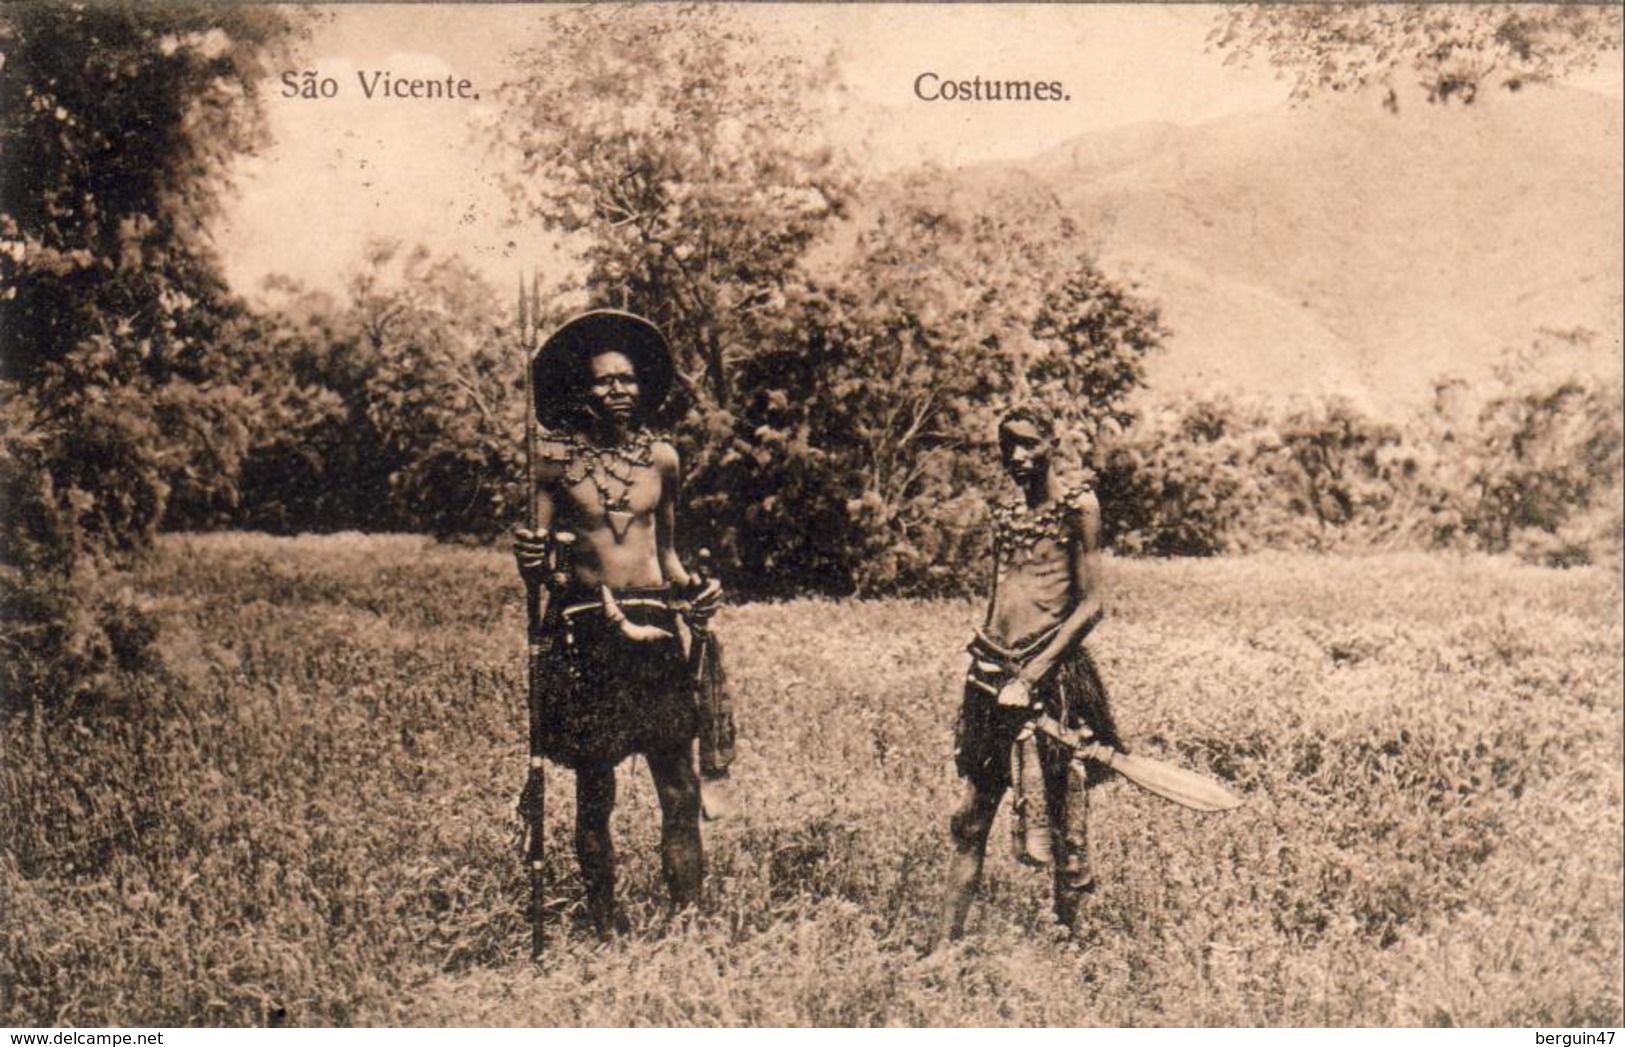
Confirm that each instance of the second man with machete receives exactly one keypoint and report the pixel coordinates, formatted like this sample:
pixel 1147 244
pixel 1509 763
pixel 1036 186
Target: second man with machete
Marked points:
pixel 1028 662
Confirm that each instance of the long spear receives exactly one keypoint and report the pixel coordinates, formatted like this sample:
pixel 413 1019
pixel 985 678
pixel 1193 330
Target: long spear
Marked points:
pixel 536 780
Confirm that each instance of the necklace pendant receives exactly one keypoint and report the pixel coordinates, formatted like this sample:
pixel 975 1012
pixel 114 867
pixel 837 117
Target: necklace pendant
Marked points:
pixel 620 522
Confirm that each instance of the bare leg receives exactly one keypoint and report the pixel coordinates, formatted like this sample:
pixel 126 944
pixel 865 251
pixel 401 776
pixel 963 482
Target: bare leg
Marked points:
pixel 595 801
pixel 682 857
pixel 969 828
pixel 1067 803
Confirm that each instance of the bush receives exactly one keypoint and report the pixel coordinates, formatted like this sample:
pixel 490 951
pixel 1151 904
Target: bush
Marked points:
pixel 1184 483
pixel 66 630
pixel 1527 467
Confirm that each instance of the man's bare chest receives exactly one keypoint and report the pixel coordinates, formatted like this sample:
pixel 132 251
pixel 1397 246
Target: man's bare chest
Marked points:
pixel 638 493
pixel 620 482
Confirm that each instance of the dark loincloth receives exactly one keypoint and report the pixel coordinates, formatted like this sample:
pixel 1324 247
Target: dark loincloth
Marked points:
pixel 603 696
pixel 1073 693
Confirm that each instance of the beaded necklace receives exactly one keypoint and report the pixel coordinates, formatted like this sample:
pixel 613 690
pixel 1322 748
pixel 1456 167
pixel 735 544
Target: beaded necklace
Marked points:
pixel 1017 530
pixel 604 466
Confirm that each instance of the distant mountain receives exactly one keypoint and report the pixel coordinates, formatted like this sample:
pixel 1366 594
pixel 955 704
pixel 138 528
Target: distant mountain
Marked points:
pixel 1343 247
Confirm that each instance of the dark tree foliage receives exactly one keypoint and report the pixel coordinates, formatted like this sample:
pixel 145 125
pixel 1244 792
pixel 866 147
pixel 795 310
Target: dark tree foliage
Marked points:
pixel 395 408
pixel 441 393
pixel 309 451
pixel 875 402
pixel 116 124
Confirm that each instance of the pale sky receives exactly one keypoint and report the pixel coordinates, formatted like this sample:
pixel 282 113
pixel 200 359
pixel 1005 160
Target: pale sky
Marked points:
pixel 347 168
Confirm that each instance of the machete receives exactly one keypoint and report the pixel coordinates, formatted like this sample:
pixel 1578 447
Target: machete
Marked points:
pixel 1186 788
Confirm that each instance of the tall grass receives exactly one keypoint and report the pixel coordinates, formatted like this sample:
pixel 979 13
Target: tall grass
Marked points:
pixel 306 817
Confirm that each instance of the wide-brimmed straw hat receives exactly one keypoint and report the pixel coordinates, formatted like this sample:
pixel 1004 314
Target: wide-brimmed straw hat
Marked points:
pixel 559 369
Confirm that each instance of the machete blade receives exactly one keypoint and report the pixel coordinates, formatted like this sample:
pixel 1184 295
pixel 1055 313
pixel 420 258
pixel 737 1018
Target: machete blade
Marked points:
pixel 1186 788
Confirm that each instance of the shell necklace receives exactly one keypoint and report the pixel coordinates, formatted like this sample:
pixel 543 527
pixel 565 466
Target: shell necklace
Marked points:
pixel 1017 529
pixel 609 469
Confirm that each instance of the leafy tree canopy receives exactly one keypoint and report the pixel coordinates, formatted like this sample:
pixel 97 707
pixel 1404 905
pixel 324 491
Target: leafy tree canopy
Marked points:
pixel 117 122
pixel 688 154
pixel 877 395
pixel 1453 51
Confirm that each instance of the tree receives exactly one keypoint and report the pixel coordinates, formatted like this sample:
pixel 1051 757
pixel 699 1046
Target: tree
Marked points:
pixel 689 159
pixel 299 365
pixel 831 389
pixel 1453 50
pixel 878 395
pixel 441 392
pixel 392 409
pixel 689 166
pixel 116 124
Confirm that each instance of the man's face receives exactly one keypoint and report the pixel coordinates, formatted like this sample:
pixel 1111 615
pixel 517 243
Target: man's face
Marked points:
pixel 1024 449
pixel 612 389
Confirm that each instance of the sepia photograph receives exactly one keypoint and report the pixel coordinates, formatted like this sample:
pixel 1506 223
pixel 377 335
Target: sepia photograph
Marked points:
pixel 812 515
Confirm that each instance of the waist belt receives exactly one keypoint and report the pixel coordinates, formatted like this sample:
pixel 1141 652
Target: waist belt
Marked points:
pixel 984 648
pixel 658 597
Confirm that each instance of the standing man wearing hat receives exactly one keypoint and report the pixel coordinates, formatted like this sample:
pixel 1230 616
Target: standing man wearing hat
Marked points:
pixel 620 609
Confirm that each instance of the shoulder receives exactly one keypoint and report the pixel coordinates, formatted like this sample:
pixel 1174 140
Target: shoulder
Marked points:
pixel 1082 505
pixel 664 456
pixel 1080 497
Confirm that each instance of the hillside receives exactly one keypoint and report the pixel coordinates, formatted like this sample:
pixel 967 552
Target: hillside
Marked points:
pixel 1341 247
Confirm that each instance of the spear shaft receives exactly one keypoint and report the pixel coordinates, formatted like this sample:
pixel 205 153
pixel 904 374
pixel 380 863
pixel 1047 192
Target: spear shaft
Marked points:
pixel 536 781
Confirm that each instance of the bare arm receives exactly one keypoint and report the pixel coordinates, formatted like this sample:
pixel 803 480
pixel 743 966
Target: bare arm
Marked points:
pixel 670 468
pixel 993 585
pixel 532 545
pixel 1086 580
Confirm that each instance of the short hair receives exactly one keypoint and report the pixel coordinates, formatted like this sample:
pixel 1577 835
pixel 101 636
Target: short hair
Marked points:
pixel 1034 414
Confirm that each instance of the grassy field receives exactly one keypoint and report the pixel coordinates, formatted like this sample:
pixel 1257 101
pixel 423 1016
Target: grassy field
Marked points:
pixel 308 817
